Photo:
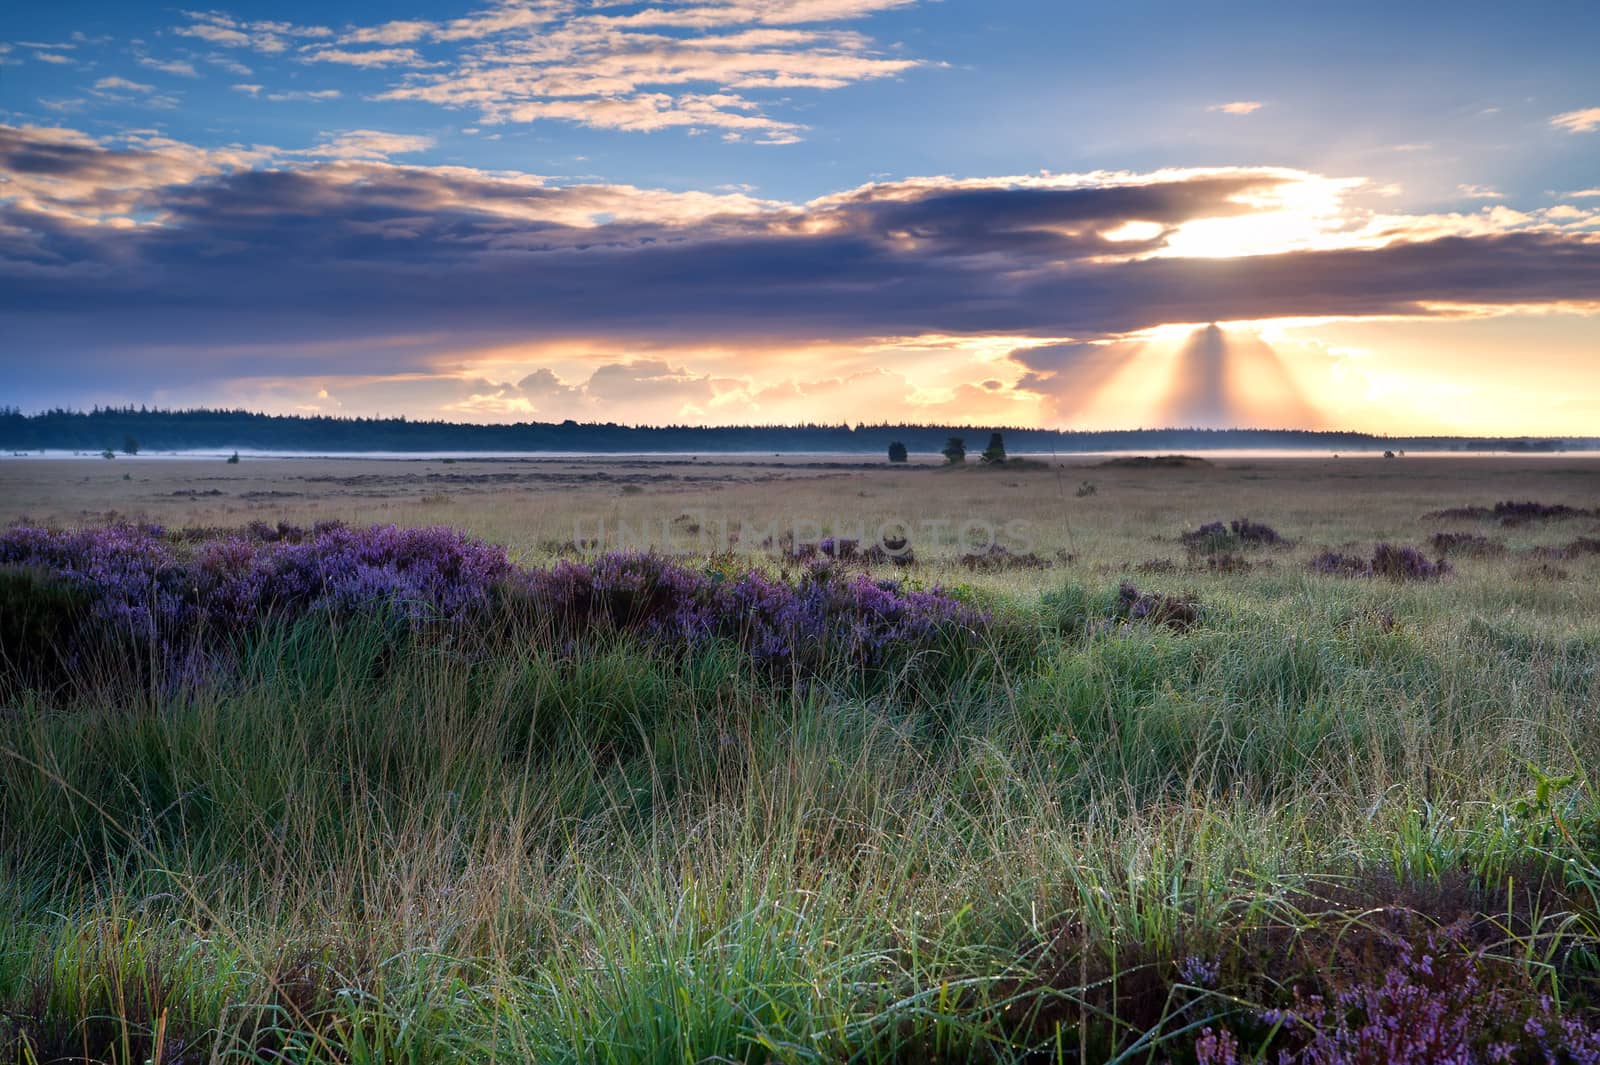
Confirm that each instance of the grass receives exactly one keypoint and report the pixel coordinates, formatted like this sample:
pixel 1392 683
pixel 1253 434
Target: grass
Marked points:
pixel 1105 841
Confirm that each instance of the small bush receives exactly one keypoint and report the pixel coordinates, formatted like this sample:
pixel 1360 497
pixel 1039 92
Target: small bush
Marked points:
pixel 1405 564
pixel 995 453
pixel 1338 564
pixel 1465 543
pixel 1255 533
pixel 39 626
pixel 1215 538
pixel 1153 608
pixel 997 559
pixel 1396 563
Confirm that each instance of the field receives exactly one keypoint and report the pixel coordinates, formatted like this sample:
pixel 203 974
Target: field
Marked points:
pixel 1099 791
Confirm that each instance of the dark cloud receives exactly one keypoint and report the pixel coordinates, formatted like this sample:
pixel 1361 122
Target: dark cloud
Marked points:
pixel 342 254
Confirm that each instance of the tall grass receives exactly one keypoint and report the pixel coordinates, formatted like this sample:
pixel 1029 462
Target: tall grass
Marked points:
pixel 360 849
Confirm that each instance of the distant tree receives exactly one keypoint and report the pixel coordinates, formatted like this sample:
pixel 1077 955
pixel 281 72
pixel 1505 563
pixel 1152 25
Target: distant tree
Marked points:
pixel 995 453
pixel 233 459
pixel 955 451
pixel 897 452
pixel 1388 454
pixel 108 454
pixel 130 446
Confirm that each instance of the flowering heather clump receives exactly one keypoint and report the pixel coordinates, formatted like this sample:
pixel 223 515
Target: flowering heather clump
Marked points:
pixel 1514 513
pixel 896 552
pixel 1254 532
pixel 127 572
pixel 1154 608
pixel 997 559
pixel 1466 543
pixel 172 596
pixel 164 593
pixel 1199 972
pixel 839 548
pixel 1337 564
pixel 1395 563
pixel 1511 512
pixel 1405 564
pixel 1437 1002
pixel 1214 537
pixel 1210 537
pixel 618 592
pixel 824 616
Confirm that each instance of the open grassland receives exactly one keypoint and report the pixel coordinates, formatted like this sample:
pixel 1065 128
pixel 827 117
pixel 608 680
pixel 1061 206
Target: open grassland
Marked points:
pixel 1241 809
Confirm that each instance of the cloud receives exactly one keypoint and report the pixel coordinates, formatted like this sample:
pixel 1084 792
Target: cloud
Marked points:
pixel 228 38
pixel 1238 107
pixel 115 84
pixel 376 57
pixel 398 32
pixel 690 66
pixel 122 90
pixel 1579 194
pixel 1582 121
pixel 304 94
pixel 229 64
pixel 1480 192
pixel 248 90
pixel 267 36
pixel 151 245
pixel 368 144
pixel 180 67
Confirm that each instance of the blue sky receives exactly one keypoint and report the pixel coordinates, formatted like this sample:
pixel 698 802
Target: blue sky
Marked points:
pixel 775 210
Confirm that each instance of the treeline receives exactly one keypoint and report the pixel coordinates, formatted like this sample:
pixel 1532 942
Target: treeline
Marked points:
pixel 182 430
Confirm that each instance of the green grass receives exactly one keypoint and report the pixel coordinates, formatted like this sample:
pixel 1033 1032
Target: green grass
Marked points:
pixel 370 854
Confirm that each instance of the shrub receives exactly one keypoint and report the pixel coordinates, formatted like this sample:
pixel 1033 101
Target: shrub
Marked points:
pixel 1155 609
pixel 955 451
pixel 1338 564
pixel 1255 533
pixel 130 446
pixel 995 453
pixel 1465 543
pixel 40 623
pixel 184 598
pixel 1405 564
pixel 897 452
pixel 1388 560
pixel 1514 513
pixel 995 559
pixel 1438 1001
pixel 1211 537
pixel 233 459
pixel 825 618
pixel 1214 537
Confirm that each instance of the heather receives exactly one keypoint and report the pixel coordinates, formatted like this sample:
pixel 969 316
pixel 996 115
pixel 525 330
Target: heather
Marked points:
pixel 372 792
pixel 1512 512
pixel 1396 562
pixel 182 603
pixel 1215 537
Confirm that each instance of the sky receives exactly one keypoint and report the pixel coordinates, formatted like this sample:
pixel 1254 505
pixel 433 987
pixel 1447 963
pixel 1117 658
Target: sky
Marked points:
pixel 1382 217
